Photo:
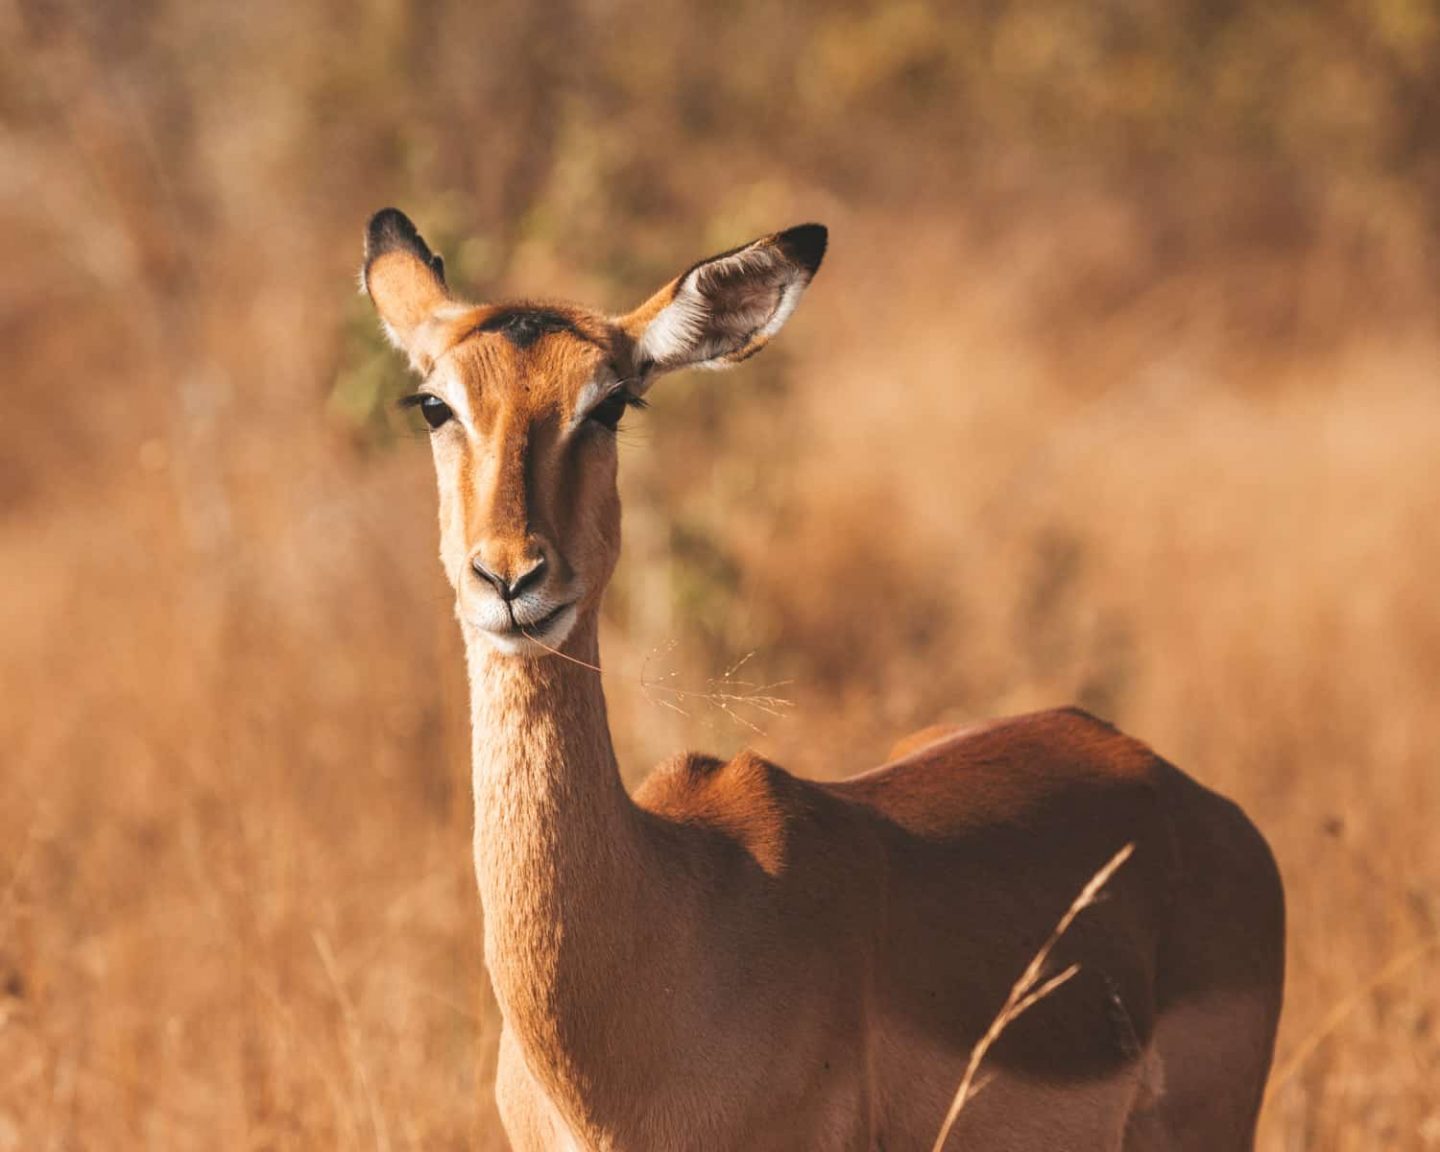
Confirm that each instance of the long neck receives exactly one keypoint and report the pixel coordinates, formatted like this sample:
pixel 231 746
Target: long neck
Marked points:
pixel 559 848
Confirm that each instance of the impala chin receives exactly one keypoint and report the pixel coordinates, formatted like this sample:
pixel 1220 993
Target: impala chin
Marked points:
pixel 528 632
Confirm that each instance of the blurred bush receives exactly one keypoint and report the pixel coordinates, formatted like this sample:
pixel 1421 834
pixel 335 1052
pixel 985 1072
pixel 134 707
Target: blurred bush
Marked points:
pixel 1118 386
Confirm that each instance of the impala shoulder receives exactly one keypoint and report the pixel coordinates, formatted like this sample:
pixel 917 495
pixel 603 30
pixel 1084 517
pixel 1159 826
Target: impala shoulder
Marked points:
pixel 746 799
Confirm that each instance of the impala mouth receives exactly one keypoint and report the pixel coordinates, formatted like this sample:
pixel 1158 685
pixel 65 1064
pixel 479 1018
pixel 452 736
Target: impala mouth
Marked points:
pixel 519 635
pixel 536 629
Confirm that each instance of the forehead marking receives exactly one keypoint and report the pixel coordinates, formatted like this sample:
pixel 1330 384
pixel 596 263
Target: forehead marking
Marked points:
pixel 524 326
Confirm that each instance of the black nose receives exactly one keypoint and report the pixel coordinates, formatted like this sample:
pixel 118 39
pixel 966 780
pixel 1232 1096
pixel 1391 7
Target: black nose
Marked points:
pixel 509 589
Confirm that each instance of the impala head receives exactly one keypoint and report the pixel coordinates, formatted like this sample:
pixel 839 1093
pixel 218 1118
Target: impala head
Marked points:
pixel 523 401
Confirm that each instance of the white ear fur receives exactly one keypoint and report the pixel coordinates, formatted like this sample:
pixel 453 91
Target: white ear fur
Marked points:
pixel 688 332
pixel 727 308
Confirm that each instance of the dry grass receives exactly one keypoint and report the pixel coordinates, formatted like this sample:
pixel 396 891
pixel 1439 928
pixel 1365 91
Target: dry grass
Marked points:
pixel 1029 989
pixel 1151 425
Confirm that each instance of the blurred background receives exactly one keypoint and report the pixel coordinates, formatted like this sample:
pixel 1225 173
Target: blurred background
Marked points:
pixel 1120 385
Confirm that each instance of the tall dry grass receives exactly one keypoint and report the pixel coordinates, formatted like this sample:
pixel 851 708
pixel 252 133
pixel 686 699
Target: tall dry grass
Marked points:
pixel 1119 386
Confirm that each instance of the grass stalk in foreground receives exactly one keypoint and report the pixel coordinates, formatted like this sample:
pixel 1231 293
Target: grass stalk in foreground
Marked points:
pixel 1029 990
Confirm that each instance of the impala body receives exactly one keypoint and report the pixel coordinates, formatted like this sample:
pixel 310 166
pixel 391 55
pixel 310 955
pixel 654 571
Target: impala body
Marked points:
pixel 737 958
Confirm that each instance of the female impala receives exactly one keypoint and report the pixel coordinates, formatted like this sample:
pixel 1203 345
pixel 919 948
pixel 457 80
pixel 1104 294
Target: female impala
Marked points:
pixel 736 958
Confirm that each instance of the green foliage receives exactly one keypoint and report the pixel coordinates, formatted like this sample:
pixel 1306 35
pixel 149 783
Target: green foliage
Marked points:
pixel 369 380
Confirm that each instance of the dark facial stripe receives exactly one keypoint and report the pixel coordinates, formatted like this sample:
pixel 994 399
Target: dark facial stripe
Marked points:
pixel 524 326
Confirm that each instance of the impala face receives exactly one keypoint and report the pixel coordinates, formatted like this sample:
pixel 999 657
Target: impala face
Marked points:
pixel 523 401
pixel 523 409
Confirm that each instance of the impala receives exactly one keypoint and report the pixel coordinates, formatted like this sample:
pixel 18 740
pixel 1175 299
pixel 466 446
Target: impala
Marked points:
pixel 735 958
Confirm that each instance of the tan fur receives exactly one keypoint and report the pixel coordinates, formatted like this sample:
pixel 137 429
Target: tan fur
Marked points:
pixel 737 958
pixel 915 741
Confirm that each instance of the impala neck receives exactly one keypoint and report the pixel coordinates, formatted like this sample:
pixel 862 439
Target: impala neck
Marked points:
pixel 558 846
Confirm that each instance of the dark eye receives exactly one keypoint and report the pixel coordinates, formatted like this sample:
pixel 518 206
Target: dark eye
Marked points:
pixel 608 412
pixel 435 410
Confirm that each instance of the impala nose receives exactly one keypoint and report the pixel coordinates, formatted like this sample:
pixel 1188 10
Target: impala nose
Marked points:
pixel 510 580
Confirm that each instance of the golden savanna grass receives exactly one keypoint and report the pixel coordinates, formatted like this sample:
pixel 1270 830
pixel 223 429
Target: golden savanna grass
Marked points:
pixel 1119 386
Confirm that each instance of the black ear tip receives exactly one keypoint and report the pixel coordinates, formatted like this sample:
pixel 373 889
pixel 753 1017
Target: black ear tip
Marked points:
pixel 390 229
pixel 805 244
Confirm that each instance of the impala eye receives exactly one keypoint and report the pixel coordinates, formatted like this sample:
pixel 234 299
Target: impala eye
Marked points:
pixel 608 412
pixel 435 410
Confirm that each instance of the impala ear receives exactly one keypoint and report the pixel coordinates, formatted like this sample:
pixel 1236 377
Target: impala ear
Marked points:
pixel 725 308
pixel 406 283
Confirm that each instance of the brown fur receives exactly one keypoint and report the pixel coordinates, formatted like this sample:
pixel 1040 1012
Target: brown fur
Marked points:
pixel 736 958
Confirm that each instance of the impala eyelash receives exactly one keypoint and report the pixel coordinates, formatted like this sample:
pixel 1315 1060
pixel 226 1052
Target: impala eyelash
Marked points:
pixel 624 393
pixel 631 399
